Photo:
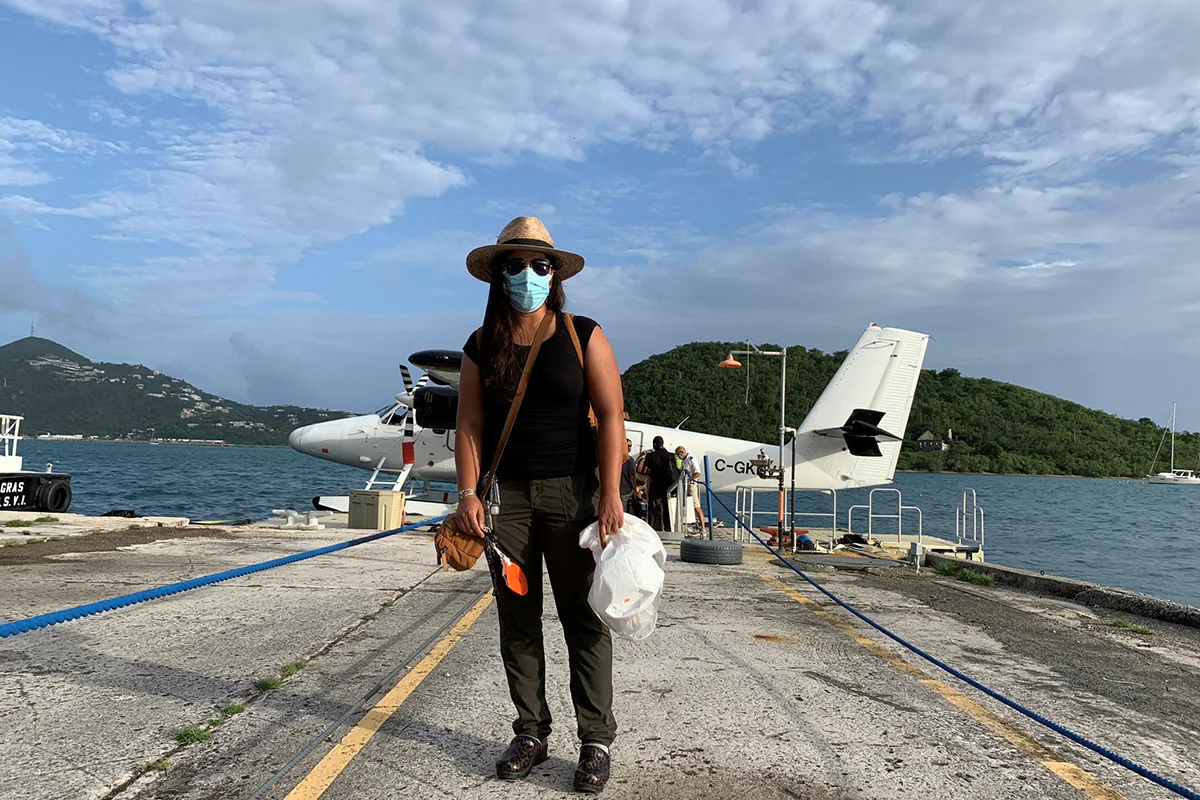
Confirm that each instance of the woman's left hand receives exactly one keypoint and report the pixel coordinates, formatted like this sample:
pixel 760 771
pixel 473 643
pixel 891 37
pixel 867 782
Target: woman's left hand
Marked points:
pixel 612 516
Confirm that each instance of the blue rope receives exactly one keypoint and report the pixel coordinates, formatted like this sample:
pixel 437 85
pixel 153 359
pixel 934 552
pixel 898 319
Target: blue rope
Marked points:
pixel 1166 783
pixel 87 609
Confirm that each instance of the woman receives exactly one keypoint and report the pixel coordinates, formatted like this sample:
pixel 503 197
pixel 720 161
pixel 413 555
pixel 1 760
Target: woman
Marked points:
pixel 555 477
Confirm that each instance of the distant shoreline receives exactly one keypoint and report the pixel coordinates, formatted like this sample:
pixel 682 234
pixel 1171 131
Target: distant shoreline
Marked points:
pixel 27 441
pixel 1017 475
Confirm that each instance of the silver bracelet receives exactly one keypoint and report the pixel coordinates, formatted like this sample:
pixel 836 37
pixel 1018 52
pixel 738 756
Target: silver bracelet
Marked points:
pixel 465 493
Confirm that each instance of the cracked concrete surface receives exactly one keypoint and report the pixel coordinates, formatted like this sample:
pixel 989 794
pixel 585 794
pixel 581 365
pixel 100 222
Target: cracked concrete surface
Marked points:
pixel 742 692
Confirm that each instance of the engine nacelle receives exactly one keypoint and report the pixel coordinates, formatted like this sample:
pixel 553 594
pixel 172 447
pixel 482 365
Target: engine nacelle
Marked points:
pixel 436 407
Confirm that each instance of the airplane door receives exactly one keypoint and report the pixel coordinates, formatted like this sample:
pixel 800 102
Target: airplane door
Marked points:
pixel 636 438
pixel 450 441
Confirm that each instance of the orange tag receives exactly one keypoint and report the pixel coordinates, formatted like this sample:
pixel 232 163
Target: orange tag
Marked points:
pixel 514 578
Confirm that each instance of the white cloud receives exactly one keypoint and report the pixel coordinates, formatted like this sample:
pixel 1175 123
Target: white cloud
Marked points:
pixel 273 130
pixel 191 286
pixel 327 110
pixel 16 205
pixel 12 173
pixel 1097 280
pixel 1044 265
pixel 25 146
pixel 101 110
pixel 1036 85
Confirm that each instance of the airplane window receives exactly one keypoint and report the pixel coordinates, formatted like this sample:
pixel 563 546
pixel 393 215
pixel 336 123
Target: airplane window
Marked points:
pixel 397 417
pixel 381 412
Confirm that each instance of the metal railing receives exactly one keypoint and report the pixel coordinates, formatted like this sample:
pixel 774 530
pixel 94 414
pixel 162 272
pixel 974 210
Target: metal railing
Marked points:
pixel 743 509
pixel 969 531
pixel 744 502
pixel 872 515
pixel 10 434
pixel 682 505
pixel 830 515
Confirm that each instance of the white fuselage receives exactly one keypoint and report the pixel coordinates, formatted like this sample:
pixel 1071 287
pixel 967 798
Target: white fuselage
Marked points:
pixel 880 373
pixel 363 441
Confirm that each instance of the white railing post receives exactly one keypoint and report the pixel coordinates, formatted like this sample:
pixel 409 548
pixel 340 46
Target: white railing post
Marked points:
pixel 681 503
pixel 969 504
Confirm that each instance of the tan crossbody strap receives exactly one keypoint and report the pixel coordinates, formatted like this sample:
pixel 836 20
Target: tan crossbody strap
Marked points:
pixel 579 352
pixel 485 483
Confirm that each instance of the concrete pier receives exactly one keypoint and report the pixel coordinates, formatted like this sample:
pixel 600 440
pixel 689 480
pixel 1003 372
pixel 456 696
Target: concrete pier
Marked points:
pixel 368 674
pixel 22 527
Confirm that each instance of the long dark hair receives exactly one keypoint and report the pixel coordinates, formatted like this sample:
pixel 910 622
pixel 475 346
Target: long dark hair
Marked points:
pixel 501 362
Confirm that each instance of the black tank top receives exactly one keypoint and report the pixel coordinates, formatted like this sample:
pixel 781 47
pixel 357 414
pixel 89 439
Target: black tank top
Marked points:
pixel 551 437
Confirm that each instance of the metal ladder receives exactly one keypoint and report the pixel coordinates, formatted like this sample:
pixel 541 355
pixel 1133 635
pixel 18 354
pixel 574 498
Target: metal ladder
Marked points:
pixel 387 482
pixel 968 520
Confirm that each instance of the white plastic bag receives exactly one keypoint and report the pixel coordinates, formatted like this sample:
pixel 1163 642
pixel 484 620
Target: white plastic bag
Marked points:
pixel 629 577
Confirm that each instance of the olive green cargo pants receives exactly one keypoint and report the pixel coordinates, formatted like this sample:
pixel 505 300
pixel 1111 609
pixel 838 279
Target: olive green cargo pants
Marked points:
pixel 543 518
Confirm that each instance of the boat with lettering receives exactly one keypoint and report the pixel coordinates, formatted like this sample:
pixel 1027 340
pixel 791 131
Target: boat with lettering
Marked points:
pixel 22 490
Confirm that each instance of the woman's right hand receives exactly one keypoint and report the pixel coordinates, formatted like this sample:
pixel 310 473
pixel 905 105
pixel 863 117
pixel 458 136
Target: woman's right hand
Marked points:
pixel 470 515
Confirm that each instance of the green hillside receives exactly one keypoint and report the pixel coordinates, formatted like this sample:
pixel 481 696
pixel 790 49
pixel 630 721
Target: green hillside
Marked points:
pixel 59 391
pixel 996 427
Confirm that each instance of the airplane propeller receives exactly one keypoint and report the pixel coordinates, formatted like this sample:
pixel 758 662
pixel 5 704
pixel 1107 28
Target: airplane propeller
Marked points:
pixel 406 397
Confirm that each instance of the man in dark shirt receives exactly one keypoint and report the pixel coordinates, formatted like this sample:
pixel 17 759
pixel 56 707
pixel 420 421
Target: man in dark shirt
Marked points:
pixel 629 480
pixel 657 465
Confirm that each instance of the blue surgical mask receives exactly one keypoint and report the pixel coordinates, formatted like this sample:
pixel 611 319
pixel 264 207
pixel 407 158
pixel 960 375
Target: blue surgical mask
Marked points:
pixel 527 290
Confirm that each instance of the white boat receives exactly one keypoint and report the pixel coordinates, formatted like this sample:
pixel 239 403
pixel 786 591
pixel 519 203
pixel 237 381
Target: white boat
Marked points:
pixel 22 490
pixel 1175 477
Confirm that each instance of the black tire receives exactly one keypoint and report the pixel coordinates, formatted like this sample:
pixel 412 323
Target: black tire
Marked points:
pixel 54 497
pixel 710 551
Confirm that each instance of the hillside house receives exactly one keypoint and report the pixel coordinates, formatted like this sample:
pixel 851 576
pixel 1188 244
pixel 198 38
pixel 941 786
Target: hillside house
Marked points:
pixel 931 442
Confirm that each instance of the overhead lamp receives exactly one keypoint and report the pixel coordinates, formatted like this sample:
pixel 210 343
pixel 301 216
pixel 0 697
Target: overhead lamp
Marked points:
pixel 730 363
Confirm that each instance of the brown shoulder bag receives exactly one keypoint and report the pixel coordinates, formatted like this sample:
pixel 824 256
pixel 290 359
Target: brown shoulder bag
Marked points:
pixel 570 318
pixel 457 547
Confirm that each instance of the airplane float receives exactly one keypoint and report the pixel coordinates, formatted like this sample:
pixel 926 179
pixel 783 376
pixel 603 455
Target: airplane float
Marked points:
pixel 851 437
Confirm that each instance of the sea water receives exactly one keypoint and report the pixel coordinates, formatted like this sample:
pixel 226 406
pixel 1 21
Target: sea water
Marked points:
pixel 1119 533
pixel 201 483
pixel 1122 533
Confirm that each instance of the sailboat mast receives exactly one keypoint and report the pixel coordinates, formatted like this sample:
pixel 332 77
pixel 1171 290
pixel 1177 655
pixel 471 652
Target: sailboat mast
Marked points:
pixel 1173 437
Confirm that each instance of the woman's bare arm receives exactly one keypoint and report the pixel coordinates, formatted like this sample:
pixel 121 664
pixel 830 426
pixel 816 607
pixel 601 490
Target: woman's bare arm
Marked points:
pixel 468 434
pixel 608 403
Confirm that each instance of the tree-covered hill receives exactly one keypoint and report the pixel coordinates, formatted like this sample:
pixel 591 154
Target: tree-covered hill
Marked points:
pixel 994 426
pixel 59 391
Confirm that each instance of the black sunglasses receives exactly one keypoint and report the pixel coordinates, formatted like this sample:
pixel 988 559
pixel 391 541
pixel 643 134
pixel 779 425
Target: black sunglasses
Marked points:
pixel 514 266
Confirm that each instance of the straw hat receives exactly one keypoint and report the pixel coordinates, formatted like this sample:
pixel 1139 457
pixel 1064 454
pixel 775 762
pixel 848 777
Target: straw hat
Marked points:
pixel 523 233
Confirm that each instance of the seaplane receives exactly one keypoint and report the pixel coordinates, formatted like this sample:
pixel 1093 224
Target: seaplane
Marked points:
pixel 850 438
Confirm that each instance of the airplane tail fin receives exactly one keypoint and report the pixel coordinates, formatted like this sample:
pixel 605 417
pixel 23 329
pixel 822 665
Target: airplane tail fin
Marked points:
pixel 852 435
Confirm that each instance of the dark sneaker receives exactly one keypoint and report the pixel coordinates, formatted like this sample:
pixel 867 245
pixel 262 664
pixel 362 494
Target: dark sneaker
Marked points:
pixel 592 772
pixel 523 754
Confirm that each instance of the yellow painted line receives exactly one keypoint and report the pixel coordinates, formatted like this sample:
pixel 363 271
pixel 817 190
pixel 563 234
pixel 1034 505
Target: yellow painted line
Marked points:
pixel 323 774
pixel 1081 779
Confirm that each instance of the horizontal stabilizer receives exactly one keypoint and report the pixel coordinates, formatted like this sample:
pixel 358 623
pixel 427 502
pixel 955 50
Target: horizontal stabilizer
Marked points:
pixel 861 432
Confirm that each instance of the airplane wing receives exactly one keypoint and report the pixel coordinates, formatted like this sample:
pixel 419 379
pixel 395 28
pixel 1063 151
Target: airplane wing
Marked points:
pixel 442 366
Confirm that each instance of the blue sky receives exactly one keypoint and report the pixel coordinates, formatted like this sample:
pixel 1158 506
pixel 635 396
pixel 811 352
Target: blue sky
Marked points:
pixel 274 200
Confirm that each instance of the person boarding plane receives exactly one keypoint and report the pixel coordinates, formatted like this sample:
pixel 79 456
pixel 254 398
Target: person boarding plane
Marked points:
pixel 851 437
